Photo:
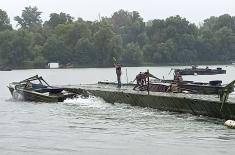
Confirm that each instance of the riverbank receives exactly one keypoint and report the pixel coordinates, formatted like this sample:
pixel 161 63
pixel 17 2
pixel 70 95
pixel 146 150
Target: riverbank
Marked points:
pixel 124 65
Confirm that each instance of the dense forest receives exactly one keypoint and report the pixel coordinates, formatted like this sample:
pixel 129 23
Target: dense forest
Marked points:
pixel 124 35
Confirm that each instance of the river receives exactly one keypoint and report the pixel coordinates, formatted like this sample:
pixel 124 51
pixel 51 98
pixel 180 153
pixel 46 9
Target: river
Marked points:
pixel 92 126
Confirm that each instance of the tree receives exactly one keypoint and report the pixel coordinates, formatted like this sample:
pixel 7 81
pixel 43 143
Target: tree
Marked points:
pixel 30 19
pixel 54 50
pixel 164 52
pixel 121 19
pixel 38 59
pixel 71 33
pixel 83 52
pixel 4 21
pixel 15 47
pixel 101 43
pixel 115 47
pixel 217 38
pixel 132 55
pixel 128 24
pixel 156 31
pixel 56 19
pixel 225 41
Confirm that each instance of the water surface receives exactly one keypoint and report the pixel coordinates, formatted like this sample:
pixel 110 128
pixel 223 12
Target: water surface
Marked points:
pixel 92 126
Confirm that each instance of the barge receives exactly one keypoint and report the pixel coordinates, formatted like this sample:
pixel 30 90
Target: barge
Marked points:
pixel 200 71
pixel 212 105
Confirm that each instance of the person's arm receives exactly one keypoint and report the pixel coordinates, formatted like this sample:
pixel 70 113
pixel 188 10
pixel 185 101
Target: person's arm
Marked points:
pixel 114 62
pixel 134 80
pixel 152 76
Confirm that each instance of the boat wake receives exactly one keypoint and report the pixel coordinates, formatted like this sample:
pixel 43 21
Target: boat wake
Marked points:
pixel 90 101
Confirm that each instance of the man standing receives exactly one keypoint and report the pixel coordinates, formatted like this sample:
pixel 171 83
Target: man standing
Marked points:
pixel 118 72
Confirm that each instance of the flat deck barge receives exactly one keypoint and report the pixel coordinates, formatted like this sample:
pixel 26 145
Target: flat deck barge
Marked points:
pixel 196 104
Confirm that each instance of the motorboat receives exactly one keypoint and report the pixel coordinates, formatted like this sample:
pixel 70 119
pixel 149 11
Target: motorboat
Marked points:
pixel 36 89
pixel 194 70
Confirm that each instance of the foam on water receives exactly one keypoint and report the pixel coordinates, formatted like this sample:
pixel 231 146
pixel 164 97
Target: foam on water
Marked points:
pixel 87 102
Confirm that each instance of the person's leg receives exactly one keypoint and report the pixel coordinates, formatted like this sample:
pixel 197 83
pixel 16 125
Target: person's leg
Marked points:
pixel 119 81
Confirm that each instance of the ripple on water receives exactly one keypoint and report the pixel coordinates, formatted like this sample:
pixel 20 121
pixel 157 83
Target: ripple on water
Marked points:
pixel 92 126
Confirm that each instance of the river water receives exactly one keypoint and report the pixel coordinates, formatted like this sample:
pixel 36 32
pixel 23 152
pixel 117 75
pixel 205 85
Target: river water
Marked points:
pixel 92 126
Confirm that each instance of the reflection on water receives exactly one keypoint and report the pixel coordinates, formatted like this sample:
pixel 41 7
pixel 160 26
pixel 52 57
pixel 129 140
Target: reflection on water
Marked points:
pixel 92 126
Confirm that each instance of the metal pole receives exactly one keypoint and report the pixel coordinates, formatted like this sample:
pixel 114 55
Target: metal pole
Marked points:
pixel 126 76
pixel 148 81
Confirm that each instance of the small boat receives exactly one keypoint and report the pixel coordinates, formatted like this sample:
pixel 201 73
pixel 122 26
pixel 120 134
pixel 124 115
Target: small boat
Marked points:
pixel 200 71
pixel 213 87
pixel 36 89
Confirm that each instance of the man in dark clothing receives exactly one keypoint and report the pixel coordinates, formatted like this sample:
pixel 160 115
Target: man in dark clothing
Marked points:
pixel 119 73
pixel 176 83
pixel 140 80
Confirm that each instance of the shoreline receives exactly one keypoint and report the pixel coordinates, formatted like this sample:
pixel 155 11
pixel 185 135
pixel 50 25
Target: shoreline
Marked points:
pixel 140 65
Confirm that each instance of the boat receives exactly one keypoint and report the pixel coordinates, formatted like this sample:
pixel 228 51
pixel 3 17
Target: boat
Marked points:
pixel 177 85
pixel 194 70
pixel 213 87
pixel 36 89
pixel 212 105
pixel 162 85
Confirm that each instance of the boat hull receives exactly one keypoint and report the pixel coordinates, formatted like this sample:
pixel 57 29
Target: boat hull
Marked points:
pixel 200 71
pixel 36 89
pixel 27 95
pixel 175 104
pixel 196 104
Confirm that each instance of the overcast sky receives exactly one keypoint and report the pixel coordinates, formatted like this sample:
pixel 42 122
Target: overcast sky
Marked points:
pixel 193 10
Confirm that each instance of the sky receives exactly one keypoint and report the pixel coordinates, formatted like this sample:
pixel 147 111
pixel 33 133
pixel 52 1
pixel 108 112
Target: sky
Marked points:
pixel 194 11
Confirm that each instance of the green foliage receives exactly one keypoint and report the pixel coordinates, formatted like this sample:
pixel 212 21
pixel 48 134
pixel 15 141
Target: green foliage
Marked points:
pixel 30 19
pixel 15 47
pixel 124 36
pixel 4 21
pixel 102 41
pixel 56 19
pixel 133 55
pixel 54 50
pixel 83 52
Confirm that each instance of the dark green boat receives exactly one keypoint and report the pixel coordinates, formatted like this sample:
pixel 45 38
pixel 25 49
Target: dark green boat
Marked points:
pixel 200 71
pixel 213 105
pixel 36 89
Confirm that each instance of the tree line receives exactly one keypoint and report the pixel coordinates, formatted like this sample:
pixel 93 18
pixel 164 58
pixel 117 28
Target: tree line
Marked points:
pixel 124 35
